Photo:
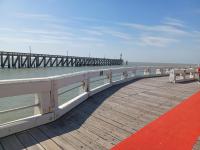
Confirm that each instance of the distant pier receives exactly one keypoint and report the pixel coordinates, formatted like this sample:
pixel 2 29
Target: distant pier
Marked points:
pixel 32 60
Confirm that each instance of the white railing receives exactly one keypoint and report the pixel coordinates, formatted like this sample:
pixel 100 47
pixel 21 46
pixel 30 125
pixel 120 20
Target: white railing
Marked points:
pixel 47 108
pixel 182 75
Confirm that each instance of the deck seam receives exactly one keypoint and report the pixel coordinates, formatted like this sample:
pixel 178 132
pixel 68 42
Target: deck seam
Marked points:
pixel 49 137
pixel 1 146
pixel 35 139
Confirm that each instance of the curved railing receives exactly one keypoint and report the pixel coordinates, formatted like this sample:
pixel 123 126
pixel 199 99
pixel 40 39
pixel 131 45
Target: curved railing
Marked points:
pixel 51 97
pixel 182 75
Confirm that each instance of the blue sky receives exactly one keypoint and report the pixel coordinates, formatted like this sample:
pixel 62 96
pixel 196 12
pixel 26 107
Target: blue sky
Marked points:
pixel 143 30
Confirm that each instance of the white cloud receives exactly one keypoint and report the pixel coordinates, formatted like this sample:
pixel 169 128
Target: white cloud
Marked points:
pixel 89 39
pixel 92 32
pixel 86 19
pixel 196 34
pixel 6 29
pixel 46 18
pixel 47 32
pixel 170 31
pixel 156 28
pixel 156 41
pixel 174 22
pixel 28 40
pixel 112 32
pixel 118 34
pixel 31 15
pixel 58 26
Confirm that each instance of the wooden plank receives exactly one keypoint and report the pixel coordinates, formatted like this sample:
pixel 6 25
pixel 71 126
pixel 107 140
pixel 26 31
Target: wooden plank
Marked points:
pixel 129 91
pixel 73 130
pixel 90 135
pixel 135 113
pixel 149 98
pixel 152 94
pixel 115 131
pixel 111 114
pixel 117 120
pixel 67 136
pixel 141 115
pixel 160 102
pixel 144 87
pixel 45 141
pixel 1 147
pixel 141 105
pixel 119 124
pixel 95 129
pixel 155 102
pixel 164 95
pixel 91 121
pixel 128 110
pixel 11 143
pixel 63 144
pixel 28 141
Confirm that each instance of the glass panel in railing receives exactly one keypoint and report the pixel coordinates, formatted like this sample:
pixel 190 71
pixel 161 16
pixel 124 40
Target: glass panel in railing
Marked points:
pixel 17 107
pixel 154 71
pixel 130 74
pixel 139 72
pixel 98 81
pixel 69 92
pixel 117 77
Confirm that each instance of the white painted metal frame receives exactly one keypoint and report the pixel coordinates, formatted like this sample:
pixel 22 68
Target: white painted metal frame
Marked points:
pixel 182 75
pixel 46 93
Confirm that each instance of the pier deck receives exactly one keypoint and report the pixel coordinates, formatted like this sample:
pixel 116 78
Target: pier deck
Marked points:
pixel 105 118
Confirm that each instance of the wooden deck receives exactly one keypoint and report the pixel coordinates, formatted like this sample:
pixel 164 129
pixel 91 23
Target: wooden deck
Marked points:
pixel 106 118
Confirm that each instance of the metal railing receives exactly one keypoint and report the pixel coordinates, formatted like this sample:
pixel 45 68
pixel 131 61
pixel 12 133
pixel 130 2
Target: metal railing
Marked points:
pixel 182 75
pixel 47 95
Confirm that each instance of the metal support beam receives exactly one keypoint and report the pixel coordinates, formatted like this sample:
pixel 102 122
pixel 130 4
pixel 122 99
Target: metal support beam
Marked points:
pixel 27 60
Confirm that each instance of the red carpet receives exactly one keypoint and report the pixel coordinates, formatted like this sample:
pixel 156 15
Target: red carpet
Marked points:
pixel 178 129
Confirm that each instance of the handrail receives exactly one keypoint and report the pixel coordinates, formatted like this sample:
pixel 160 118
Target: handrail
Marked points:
pixel 46 93
pixel 69 90
pixel 18 108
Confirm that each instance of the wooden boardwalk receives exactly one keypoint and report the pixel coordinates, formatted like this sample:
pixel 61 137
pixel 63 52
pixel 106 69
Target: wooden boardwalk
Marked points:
pixel 106 118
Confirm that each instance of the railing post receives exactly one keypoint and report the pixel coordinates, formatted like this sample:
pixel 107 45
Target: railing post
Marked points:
pixel 157 71
pixel 180 75
pixel 109 76
pixel 43 99
pixel 172 76
pixel 191 75
pixel 150 70
pixel 86 84
pixel 48 101
pixel 161 71
pixel 165 71
pixel 125 74
pixel 54 95
pixel 134 73
pixel 147 71
pixel 184 75
pixel 194 73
